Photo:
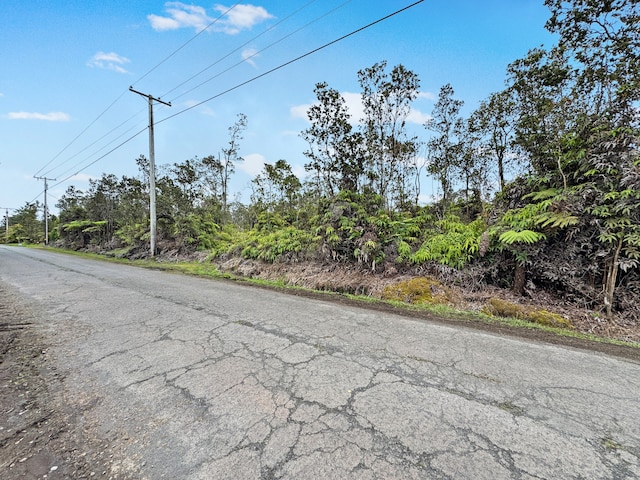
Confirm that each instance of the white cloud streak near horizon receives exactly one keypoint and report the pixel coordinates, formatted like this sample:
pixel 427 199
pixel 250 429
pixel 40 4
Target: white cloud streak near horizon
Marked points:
pixel 49 117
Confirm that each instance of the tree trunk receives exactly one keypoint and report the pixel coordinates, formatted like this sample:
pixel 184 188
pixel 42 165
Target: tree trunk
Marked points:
pixel 610 280
pixel 519 278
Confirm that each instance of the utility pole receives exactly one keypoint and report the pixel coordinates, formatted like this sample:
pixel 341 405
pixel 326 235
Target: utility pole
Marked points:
pixel 6 222
pixel 46 210
pixel 152 169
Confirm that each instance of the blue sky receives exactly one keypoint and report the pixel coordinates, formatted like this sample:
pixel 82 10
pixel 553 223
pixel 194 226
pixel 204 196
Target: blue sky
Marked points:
pixel 66 67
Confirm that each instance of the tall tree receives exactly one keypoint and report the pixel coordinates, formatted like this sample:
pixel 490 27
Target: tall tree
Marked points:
pixel 387 98
pixel 230 156
pixel 494 123
pixel 335 154
pixel 24 226
pixel 445 148
pixel 604 37
pixel 276 188
pixel 547 111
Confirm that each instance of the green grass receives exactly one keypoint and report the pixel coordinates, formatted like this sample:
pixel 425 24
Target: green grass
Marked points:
pixel 438 310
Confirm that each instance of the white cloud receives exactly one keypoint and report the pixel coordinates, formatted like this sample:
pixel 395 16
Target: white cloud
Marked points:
pixel 427 95
pixel 353 102
pixel 109 61
pixel 253 164
pixel 82 177
pixel 248 55
pixel 203 109
pixel 241 17
pixel 417 117
pixel 180 15
pixel 49 117
pixel 300 111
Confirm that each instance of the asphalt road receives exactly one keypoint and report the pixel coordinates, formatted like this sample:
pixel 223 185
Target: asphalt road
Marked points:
pixel 189 378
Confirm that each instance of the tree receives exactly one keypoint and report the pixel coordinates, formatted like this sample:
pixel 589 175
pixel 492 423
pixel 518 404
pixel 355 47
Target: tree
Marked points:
pixel 189 175
pixel 386 98
pixel 578 123
pixel 101 202
pixel 445 148
pixel 547 111
pixel 24 226
pixel 71 205
pixel 230 156
pixel 494 124
pixel 276 188
pixel 335 154
pixel 604 37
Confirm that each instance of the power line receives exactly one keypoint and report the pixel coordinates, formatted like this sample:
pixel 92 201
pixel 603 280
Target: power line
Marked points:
pixel 295 12
pixel 192 77
pixel 78 164
pixel 260 51
pixel 121 144
pixel 92 144
pixel 46 208
pixel 282 65
pixel 188 41
pixel 78 136
pixel 239 48
pixel 125 91
pixel 152 168
pixel 253 79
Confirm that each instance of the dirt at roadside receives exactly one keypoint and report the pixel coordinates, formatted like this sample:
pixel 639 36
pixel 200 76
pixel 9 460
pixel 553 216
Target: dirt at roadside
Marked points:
pixel 351 279
pixel 40 437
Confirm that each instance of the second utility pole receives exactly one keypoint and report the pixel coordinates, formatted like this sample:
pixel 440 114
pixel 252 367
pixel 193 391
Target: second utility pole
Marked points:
pixel 152 169
pixel 46 209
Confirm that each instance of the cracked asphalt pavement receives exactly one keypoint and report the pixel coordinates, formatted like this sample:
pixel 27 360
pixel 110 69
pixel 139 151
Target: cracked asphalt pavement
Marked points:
pixel 190 378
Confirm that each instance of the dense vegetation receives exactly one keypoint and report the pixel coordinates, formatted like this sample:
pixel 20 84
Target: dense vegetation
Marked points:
pixel 539 186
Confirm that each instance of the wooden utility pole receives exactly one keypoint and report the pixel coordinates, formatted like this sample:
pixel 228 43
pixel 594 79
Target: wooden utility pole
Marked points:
pixel 46 210
pixel 152 169
pixel 6 222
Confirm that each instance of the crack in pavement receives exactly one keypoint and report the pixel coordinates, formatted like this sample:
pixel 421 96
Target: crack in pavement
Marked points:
pixel 198 379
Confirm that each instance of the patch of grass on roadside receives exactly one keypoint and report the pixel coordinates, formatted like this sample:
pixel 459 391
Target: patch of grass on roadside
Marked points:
pixel 445 311
pixel 439 310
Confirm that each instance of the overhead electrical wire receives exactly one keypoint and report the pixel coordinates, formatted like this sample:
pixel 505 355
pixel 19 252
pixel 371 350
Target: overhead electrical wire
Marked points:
pixel 216 20
pixel 146 74
pixel 262 50
pixel 282 65
pixel 189 41
pixel 197 74
pixel 93 143
pixel 77 136
pixel 246 82
pixel 241 46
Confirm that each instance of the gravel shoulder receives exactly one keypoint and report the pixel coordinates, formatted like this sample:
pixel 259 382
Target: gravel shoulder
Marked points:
pixel 41 436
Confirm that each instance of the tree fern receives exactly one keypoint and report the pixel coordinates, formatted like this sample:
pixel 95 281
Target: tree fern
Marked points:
pixel 524 236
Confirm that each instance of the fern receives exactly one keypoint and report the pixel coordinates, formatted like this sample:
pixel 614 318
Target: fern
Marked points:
pixel 524 236
pixel 556 220
pixel 544 194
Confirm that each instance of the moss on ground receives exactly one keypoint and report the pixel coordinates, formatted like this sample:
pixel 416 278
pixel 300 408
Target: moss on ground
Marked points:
pixel 503 308
pixel 419 291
